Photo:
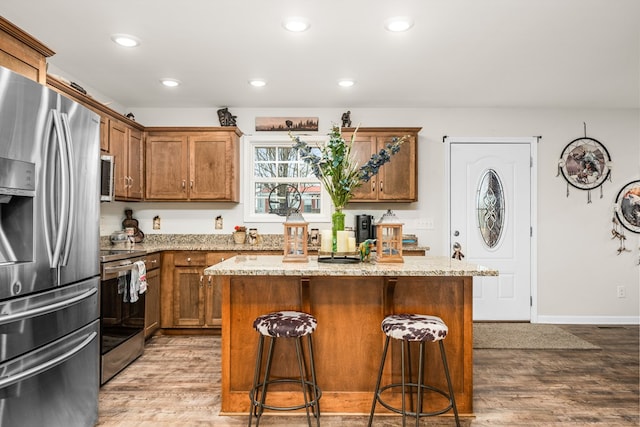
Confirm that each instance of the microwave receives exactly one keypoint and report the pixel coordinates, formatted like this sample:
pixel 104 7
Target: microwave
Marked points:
pixel 106 178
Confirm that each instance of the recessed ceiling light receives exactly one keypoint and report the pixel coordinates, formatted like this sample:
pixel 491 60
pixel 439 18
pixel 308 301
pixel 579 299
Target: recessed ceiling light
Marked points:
pixel 125 40
pixel 257 83
pixel 296 24
pixel 170 82
pixel 346 83
pixel 398 24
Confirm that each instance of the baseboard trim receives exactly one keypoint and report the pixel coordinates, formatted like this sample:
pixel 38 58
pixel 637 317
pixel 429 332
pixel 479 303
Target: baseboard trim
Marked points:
pixel 589 320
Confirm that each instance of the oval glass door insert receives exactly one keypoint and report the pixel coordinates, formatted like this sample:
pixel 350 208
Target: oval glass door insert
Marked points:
pixel 490 208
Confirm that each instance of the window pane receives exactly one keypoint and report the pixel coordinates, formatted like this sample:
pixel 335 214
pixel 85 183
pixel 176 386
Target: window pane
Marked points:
pixel 283 198
pixel 264 170
pixel 287 170
pixel 490 206
pixel 265 154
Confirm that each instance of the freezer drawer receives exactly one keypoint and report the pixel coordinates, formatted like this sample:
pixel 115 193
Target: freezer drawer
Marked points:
pixel 30 322
pixel 54 385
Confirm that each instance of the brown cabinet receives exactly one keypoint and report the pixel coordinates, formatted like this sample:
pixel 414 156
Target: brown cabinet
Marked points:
pixel 152 296
pixel 397 180
pixel 126 145
pixel 195 164
pixel 189 298
pixel 22 53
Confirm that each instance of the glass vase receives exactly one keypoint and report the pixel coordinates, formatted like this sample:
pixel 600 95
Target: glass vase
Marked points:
pixel 337 224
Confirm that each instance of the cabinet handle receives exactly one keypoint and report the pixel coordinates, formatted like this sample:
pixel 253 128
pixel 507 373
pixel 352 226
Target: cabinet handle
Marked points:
pixel 191 184
pixel 221 259
pixel 154 261
pixel 381 190
pixel 373 185
pixel 189 259
pixel 201 281
pixel 209 281
pixel 184 184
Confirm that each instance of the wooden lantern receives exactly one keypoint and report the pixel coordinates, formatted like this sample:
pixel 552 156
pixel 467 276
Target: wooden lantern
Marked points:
pixel 389 238
pixel 295 239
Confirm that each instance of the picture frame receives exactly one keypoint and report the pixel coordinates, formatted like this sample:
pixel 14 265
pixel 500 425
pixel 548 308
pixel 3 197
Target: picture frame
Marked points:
pixel 627 206
pixel 286 124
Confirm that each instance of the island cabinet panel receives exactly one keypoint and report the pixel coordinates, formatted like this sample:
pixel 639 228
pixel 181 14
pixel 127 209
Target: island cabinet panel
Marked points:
pixel 152 297
pixel 196 164
pixel 396 180
pixel 348 341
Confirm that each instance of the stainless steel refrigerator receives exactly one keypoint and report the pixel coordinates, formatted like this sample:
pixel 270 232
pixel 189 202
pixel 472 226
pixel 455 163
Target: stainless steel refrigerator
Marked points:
pixel 49 265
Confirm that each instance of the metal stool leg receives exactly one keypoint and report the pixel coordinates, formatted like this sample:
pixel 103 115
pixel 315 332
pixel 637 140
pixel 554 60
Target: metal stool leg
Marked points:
pixel 256 378
pixel 446 372
pixel 377 389
pixel 312 364
pixel 303 376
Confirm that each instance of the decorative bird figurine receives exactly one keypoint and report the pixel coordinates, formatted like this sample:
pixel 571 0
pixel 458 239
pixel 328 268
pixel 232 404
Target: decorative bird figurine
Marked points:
pixel 365 249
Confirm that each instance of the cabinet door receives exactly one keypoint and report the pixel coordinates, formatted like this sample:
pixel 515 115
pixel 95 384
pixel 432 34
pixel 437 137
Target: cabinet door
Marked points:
pixel 214 292
pixel 135 165
pixel 166 167
pixel 104 133
pixel 188 297
pixel 210 166
pixel 362 149
pixel 118 148
pixel 397 179
pixel 152 303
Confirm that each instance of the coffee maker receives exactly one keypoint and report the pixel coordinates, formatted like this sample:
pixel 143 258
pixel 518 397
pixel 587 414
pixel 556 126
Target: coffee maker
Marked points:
pixel 365 228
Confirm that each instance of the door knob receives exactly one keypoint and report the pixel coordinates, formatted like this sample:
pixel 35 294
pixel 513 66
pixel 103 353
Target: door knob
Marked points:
pixel 456 233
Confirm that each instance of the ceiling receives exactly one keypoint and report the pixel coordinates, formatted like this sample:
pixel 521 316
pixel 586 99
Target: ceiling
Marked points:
pixel 459 53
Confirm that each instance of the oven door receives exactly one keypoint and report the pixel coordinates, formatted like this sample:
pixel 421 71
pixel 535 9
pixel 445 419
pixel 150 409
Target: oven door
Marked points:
pixel 121 321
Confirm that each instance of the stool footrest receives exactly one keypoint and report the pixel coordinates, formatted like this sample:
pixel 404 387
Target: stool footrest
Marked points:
pixel 310 403
pixel 415 386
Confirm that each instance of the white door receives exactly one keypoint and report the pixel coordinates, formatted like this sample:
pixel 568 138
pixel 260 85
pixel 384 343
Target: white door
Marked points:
pixel 490 219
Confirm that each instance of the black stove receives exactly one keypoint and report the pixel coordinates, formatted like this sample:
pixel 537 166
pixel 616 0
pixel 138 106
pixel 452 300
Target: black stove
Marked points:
pixel 118 254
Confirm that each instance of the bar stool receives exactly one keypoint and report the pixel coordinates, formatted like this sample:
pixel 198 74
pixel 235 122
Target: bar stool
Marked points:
pixel 417 328
pixel 285 324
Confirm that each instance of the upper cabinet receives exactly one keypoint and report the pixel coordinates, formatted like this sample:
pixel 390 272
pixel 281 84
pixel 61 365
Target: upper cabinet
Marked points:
pixel 126 146
pixel 397 180
pixel 197 164
pixel 22 53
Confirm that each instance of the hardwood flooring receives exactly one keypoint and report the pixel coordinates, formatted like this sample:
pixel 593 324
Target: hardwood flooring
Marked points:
pixel 176 383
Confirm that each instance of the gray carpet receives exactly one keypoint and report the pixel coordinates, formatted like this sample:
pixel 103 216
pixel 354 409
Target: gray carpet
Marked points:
pixel 531 336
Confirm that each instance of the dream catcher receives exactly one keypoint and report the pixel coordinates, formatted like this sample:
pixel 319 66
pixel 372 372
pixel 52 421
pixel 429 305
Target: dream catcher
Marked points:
pixel 585 164
pixel 626 213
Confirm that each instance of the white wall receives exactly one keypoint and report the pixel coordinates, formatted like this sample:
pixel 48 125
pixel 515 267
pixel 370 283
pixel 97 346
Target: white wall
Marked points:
pixel 578 265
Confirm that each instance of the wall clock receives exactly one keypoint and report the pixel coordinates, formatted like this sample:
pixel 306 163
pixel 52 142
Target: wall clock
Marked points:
pixel 284 199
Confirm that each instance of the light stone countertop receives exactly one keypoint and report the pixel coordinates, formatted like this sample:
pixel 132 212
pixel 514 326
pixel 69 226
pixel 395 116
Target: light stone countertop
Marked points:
pixel 272 265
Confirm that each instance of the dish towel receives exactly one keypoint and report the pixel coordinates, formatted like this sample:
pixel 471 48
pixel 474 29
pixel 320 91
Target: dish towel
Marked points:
pixel 122 285
pixel 138 280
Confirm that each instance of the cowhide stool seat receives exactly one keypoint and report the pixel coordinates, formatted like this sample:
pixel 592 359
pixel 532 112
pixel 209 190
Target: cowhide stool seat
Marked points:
pixel 278 325
pixel 413 328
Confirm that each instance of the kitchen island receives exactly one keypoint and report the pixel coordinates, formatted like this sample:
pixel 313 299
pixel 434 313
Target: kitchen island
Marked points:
pixel 349 302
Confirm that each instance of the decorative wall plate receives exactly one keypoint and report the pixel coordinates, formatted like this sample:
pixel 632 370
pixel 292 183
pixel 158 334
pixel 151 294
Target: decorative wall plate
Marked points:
pixel 627 206
pixel 585 164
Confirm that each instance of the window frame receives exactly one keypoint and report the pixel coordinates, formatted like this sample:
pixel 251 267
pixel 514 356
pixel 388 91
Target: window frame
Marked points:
pixel 248 145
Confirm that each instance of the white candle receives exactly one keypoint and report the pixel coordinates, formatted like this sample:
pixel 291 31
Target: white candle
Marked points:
pixel 325 240
pixel 351 244
pixel 341 241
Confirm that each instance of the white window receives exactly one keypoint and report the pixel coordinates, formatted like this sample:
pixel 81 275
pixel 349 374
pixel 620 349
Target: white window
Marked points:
pixel 276 179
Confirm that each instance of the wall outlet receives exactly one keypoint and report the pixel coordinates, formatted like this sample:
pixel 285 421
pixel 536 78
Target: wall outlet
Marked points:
pixel 621 292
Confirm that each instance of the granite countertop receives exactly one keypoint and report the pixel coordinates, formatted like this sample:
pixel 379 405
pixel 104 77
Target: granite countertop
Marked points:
pixel 272 265
pixel 212 242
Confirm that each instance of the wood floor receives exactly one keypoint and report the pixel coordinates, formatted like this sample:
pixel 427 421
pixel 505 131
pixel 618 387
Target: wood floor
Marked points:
pixel 176 383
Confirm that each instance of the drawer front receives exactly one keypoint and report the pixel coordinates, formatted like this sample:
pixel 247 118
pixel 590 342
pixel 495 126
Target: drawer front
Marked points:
pixel 152 261
pixel 185 259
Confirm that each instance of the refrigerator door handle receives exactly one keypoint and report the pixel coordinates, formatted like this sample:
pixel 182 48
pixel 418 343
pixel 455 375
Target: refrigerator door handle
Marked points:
pixel 54 246
pixel 13 379
pixel 71 206
pixel 9 318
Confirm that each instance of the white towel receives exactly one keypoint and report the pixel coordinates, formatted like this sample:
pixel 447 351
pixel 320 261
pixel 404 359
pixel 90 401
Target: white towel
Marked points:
pixel 139 277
